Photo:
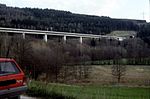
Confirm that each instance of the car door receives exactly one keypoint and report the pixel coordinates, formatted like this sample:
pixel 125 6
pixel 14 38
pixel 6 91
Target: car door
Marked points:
pixel 10 75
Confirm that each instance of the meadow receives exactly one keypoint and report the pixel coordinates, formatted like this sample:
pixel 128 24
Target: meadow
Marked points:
pixel 101 85
pixel 63 91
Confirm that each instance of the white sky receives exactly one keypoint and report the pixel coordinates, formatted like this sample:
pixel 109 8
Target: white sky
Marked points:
pixel 131 9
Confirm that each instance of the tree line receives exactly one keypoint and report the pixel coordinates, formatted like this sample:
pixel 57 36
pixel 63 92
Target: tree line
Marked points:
pixel 65 21
pixel 59 61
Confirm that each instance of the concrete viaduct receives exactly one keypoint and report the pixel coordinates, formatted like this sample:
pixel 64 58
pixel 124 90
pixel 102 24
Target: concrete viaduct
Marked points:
pixel 45 34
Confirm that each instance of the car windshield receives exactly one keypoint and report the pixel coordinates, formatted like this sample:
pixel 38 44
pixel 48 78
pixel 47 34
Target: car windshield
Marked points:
pixel 8 68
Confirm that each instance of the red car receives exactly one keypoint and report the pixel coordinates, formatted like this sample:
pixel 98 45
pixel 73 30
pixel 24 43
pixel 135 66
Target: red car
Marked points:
pixel 12 79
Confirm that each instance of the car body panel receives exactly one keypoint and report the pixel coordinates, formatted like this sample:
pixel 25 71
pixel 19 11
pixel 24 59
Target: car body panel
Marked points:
pixel 12 83
pixel 13 92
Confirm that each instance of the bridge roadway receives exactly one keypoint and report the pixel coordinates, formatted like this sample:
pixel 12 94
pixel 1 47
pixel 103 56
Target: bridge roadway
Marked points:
pixel 54 33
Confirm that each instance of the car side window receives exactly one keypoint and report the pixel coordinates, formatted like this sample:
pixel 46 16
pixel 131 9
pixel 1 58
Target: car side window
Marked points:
pixel 8 67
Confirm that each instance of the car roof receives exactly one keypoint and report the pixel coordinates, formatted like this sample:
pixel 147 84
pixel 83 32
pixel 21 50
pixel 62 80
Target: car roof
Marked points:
pixel 5 59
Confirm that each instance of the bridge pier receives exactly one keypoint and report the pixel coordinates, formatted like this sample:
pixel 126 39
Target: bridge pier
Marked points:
pixel 81 39
pixel 23 35
pixel 65 38
pixel 45 37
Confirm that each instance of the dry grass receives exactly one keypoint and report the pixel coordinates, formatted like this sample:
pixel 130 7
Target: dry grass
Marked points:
pixel 135 75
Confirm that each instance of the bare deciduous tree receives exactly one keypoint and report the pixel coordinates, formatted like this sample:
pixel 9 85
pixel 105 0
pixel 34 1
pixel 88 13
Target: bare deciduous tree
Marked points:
pixel 5 45
pixel 118 70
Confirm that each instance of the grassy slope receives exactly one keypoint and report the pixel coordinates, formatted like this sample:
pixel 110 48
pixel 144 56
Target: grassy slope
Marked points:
pixel 122 33
pixel 60 91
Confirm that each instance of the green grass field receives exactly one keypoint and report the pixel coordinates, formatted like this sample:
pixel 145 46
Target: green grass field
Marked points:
pixel 62 91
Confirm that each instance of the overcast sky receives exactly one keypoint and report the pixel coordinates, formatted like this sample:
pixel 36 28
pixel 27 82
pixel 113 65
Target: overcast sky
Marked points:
pixel 131 9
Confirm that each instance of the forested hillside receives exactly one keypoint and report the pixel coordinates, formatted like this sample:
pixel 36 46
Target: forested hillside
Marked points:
pixel 144 32
pixel 49 19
